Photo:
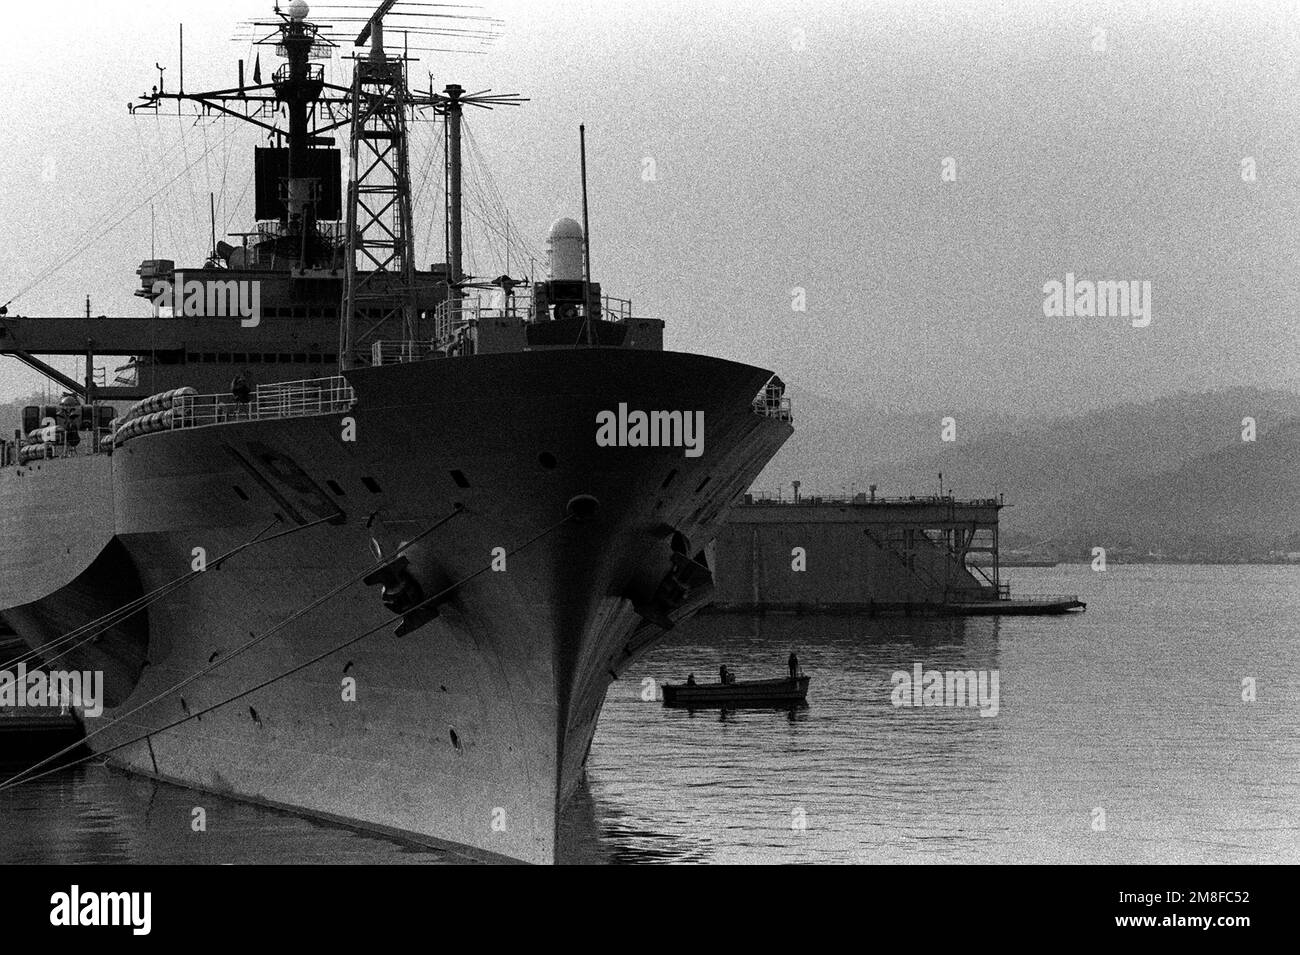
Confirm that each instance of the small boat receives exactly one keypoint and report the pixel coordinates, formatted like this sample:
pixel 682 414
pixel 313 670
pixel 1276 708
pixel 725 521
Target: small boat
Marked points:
pixel 786 691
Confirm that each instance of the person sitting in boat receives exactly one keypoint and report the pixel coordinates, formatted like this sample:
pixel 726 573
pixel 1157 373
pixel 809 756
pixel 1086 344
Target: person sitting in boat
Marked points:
pixel 690 679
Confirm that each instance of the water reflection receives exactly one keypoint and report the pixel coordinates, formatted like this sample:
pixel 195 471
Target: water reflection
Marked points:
pixel 94 815
pixel 1134 706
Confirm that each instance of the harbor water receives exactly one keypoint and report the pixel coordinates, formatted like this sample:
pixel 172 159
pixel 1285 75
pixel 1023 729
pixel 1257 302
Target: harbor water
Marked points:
pixel 1121 736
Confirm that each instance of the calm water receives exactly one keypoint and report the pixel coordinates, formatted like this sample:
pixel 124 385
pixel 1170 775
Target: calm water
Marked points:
pixel 1134 708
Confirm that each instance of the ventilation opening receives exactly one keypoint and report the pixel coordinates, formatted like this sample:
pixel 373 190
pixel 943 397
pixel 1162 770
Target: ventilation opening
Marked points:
pixel 703 484
pixel 240 491
pixel 334 486
pixel 547 460
pixel 460 479
pixel 669 479
pixel 371 485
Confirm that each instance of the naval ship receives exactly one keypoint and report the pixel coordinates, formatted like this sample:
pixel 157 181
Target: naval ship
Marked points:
pixel 363 539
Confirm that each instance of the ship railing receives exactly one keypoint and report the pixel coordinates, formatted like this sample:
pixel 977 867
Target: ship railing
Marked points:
pixel 771 402
pixel 396 352
pixel 286 399
pixel 329 234
pixel 863 498
pixel 615 309
pixel 453 316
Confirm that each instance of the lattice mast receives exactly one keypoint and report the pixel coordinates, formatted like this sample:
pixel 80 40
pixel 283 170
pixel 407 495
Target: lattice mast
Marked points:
pixel 379 233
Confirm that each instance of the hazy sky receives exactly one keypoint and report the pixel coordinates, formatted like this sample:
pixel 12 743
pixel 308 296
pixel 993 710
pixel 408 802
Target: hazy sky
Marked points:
pixel 794 146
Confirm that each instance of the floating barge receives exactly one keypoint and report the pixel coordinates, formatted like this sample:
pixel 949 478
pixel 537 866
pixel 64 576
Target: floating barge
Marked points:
pixel 867 554
pixel 1041 604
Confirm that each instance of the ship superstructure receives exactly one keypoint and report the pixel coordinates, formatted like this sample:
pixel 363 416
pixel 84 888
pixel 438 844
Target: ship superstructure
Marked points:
pixel 359 546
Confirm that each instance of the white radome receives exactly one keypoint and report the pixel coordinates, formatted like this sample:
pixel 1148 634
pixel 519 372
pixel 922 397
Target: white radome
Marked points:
pixel 564 245
pixel 298 10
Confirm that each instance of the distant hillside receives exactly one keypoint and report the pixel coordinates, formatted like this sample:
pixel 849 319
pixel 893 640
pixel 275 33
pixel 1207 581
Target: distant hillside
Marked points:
pixel 1160 474
pixel 836 443
pixel 1241 496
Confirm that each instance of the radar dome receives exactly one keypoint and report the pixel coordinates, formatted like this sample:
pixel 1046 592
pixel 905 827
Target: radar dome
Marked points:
pixel 564 247
pixel 298 10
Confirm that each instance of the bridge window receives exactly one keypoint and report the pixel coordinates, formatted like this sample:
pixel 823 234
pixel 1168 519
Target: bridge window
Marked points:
pixel 209 357
pixel 239 358
pixel 192 357
pixel 300 358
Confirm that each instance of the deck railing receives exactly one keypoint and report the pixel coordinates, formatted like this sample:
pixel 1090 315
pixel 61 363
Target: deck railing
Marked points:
pixel 288 399
pixel 771 402
pixel 395 352
pixel 863 499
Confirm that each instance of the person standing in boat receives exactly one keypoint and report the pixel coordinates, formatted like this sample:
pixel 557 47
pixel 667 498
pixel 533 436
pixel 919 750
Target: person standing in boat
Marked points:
pixel 794 665
pixel 722 674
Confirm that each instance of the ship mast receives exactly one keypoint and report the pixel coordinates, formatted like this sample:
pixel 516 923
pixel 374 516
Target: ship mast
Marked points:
pixel 298 86
pixel 375 249
pixel 292 177
pixel 455 260
pixel 379 199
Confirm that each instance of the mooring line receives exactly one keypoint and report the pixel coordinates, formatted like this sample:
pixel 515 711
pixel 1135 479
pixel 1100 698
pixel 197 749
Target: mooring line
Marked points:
pixel 220 661
pixel 132 607
pixel 23 777
pixel 128 609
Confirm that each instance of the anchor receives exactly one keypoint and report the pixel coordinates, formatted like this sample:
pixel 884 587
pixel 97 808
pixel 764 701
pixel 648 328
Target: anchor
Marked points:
pixel 684 589
pixel 401 590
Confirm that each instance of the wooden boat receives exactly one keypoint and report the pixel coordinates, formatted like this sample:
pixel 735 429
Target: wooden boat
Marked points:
pixel 786 691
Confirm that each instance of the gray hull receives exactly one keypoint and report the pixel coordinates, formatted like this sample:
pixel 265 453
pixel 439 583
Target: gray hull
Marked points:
pixel 473 729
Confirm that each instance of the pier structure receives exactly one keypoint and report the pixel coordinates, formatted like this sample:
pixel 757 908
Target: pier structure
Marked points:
pixel 863 553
